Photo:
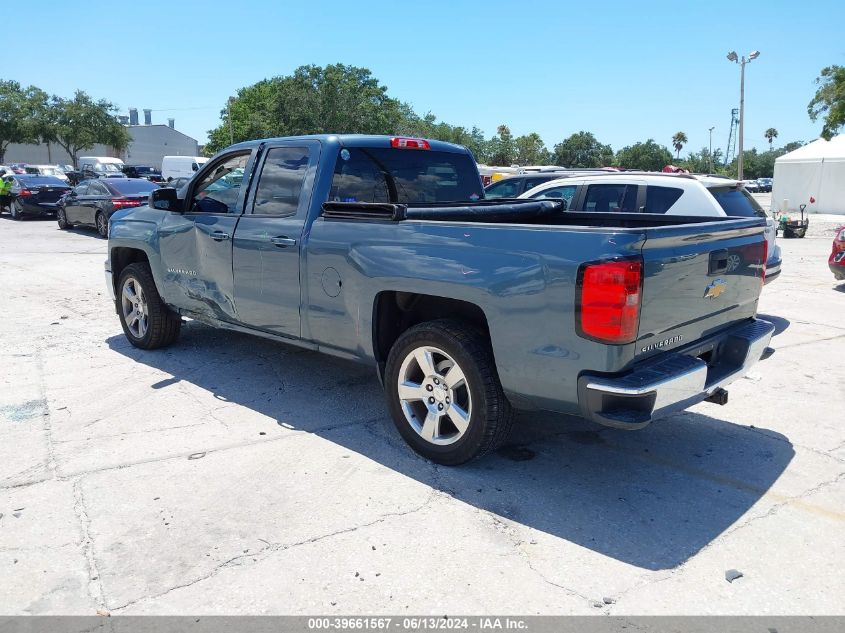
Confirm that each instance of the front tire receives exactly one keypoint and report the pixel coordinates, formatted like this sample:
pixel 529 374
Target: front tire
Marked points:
pixel 102 223
pixel 444 393
pixel 146 321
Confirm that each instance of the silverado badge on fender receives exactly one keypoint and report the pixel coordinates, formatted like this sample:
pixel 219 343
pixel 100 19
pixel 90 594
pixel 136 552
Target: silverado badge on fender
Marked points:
pixel 715 288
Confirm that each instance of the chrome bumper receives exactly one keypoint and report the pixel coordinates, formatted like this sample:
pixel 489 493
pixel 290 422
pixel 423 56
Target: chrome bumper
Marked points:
pixel 674 381
pixel 110 283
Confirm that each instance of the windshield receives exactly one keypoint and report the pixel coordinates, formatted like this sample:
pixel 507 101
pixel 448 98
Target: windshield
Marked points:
pixel 404 175
pixel 109 167
pixel 737 202
pixel 146 170
pixel 129 187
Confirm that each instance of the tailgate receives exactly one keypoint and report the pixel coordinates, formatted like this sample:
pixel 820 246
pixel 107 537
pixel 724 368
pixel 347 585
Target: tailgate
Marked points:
pixel 698 278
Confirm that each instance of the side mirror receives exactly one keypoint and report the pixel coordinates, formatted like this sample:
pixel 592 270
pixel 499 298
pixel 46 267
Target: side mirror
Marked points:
pixel 166 200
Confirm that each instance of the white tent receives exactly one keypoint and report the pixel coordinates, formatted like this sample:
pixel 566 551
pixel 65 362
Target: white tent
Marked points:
pixel 815 171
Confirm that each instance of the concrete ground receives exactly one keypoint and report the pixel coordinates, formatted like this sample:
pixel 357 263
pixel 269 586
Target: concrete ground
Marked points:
pixel 229 474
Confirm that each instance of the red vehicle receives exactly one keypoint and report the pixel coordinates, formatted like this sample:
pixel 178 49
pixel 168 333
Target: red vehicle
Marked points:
pixel 836 261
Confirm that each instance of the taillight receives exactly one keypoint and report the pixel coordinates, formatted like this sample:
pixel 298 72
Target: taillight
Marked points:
pixel 398 142
pixel 24 193
pixel 125 203
pixel 609 297
pixel 765 259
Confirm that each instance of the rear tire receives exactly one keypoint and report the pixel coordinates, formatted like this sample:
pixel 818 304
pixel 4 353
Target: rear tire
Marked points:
pixel 444 393
pixel 61 219
pixel 102 223
pixel 15 210
pixel 146 321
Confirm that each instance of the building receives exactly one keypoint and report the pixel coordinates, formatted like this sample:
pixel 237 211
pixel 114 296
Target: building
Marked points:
pixel 150 143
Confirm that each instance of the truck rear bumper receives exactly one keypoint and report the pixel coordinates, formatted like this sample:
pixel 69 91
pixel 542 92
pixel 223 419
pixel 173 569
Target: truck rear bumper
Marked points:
pixel 674 381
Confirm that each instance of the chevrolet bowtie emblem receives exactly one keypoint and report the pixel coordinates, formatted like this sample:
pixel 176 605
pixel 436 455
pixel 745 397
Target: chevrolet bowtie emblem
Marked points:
pixel 716 288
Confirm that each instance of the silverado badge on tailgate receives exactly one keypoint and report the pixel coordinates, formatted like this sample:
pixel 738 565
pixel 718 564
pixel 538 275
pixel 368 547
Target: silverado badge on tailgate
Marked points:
pixel 715 288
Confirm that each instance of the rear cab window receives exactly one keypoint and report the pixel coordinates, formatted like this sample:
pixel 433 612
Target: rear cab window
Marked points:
pixel 661 199
pixel 378 174
pixel 737 202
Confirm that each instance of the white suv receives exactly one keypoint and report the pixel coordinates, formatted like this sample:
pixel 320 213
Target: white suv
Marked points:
pixel 673 194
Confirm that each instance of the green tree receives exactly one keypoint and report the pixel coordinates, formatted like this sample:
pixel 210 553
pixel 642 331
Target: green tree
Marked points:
pixel 699 162
pixel 80 123
pixel 829 100
pixel 429 127
pixel 17 114
pixel 501 148
pixel 530 150
pixel 313 100
pixel 679 139
pixel 791 147
pixel 648 156
pixel 771 134
pixel 582 150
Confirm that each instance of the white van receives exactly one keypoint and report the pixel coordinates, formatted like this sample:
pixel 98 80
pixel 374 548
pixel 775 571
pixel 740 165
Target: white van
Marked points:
pixel 181 166
pixel 100 167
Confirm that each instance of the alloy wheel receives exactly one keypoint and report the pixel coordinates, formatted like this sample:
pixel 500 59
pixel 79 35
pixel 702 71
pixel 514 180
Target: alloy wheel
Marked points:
pixel 434 395
pixel 134 307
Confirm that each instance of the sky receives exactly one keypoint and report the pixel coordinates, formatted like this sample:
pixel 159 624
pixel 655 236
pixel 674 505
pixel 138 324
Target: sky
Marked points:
pixel 626 71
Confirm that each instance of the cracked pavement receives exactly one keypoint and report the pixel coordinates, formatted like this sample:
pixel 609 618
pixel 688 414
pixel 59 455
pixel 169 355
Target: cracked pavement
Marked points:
pixel 232 475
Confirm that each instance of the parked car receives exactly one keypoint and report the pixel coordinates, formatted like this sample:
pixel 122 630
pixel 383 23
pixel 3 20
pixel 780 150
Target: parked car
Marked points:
pixel 836 261
pixel 514 186
pixel 673 194
pixel 383 250
pixel 5 170
pixel 100 167
pixel 34 195
pixel 47 170
pixel 92 202
pixel 751 186
pixel 765 184
pixel 143 171
pixel 18 168
pixel 178 166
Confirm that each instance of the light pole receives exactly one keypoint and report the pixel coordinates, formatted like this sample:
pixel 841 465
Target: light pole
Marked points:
pixel 229 116
pixel 732 56
pixel 711 148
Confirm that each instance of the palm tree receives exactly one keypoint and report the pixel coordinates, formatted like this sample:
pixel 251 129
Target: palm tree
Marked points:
pixel 679 140
pixel 770 134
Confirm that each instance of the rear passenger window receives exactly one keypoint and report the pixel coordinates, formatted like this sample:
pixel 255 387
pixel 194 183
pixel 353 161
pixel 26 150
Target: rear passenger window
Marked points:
pixel 280 184
pixel 611 198
pixel 566 193
pixel 661 199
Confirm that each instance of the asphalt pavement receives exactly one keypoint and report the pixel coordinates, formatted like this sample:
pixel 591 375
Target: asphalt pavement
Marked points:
pixel 233 475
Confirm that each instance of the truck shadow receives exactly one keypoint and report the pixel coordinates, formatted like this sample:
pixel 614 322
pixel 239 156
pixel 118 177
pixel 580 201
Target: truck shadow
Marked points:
pixel 651 498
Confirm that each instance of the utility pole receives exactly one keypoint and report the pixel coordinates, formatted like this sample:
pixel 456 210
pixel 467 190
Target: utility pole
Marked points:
pixel 732 56
pixel 710 156
pixel 229 116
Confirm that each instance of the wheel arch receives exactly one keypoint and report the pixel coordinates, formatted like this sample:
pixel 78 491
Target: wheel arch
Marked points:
pixel 394 312
pixel 121 256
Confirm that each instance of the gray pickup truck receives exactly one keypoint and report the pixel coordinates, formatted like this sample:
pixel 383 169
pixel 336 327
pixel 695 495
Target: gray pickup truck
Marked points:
pixel 385 251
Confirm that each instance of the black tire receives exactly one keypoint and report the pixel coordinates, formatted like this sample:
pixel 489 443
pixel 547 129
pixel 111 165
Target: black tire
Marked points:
pixel 102 224
pixel 490 413
pixel 162 324
pixel 61 219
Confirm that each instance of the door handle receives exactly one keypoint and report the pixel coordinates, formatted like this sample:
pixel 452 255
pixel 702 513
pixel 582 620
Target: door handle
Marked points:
pixel 283 241
pixel 219 236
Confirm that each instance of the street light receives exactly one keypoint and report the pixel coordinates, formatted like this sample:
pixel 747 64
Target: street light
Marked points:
pixel 711 148
pixel 732 56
